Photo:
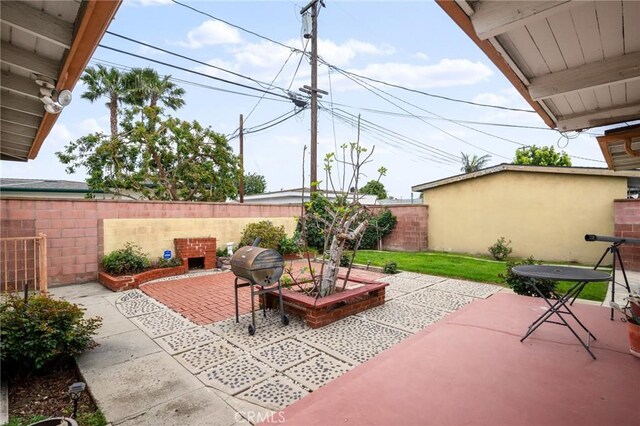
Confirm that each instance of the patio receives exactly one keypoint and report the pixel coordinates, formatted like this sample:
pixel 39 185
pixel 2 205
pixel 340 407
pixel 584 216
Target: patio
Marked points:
pixel 409 361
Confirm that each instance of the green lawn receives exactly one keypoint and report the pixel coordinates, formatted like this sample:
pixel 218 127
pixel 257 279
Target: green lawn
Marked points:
pixel 474 268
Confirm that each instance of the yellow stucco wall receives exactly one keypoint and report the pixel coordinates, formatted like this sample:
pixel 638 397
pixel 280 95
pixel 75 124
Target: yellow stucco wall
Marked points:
pixel 544 215
pixel 156 235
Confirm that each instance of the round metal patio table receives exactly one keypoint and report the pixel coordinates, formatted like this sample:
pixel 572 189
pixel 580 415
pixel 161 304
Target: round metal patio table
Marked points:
pixel 580 276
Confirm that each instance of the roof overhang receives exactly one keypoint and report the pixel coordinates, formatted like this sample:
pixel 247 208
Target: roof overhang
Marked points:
pixel 47 40
pixel 577 63
pixel 521 168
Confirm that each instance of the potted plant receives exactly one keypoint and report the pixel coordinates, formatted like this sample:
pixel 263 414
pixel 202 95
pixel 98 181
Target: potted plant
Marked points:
pixel 631 315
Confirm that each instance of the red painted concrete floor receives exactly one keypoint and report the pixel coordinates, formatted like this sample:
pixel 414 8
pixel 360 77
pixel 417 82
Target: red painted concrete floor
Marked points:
pixel 210 298
pixel 471 368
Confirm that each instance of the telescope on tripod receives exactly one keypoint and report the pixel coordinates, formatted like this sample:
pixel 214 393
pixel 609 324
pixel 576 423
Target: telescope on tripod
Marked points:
pixel 616 259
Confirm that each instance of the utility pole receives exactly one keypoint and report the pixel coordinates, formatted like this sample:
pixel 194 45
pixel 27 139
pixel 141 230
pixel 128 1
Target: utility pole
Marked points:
pixel 313 90
pixel 241 132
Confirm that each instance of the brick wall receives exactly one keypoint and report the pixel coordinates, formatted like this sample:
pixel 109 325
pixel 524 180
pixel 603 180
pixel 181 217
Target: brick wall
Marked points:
pixel 75 240
pixel 627 224
pixel 187 248
pixel 410 234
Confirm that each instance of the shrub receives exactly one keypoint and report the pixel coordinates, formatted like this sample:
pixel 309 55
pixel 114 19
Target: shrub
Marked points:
pixel 345 260
pixel 168 263
pixel 380 225
pixel 522 285
pixel 221 252
pixel 270 235
pixel 500 249
pixel 41 331
pixel 129 260
pixel 390 268
pixel 289 245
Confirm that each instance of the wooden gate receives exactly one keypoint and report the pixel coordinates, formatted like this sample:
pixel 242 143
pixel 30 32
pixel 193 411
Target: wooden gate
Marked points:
pixel 23 263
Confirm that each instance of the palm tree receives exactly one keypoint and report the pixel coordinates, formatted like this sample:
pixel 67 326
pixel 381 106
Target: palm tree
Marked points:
pixel 106 82
pixel 473 164
pixel 148 88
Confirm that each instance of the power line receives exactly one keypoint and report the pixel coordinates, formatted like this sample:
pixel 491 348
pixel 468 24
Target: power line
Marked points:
pixel 191 71
pixel 447 98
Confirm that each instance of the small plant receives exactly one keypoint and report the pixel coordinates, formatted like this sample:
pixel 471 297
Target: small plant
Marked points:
pixel 500 250
pixel 42 331
pixel 390 268
pixel 522 285
pixel 345 260
pixel 168 263
pixel 129 260
pixel 270 235
pixel 631 311
pixel 286 281
pixel 221 252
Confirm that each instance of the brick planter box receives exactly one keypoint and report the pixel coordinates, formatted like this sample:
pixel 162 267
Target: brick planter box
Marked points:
pixel 326 310
pixel 128 282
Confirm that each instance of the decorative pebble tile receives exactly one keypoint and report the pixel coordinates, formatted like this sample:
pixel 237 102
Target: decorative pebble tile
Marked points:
pixel 269 330
pixel 410 275
pixel 139 306
pixel 392 293
pixel 236 375
pixel 207 356
pixel 405 316
pixel 406 284
pixel 353 339
pixel 184 340
pixel 131 295
pixel 318 371
pixel 468 288
pixel 429 278
pixel 285 354
pixel 274 393
pixel 437 299
pixel 161 323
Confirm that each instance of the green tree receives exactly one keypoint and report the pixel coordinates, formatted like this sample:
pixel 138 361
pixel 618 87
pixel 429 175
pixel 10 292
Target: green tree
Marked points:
pixel 541 156
pixel 147 87
pixel 254 184
pixel 473 163
pixel 160 158
pixel 109 83
pixel 374 187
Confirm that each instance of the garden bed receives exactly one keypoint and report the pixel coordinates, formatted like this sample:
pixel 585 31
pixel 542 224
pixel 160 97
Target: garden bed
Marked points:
pixel 128 282
pixel 326 310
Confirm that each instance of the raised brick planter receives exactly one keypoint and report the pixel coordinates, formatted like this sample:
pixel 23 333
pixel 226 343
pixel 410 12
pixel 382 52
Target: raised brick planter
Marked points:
pixel 128 282
pixel 326 310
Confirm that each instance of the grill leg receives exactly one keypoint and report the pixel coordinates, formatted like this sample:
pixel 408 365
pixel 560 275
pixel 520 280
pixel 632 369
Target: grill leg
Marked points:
pixel 253 307
pixel 235 288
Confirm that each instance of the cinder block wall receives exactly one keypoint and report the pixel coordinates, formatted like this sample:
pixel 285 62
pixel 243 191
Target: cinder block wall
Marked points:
pixel 627 224
pixel 79 232
pixel 410 233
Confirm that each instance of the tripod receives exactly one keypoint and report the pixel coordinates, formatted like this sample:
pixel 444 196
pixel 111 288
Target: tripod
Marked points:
pixel 616 259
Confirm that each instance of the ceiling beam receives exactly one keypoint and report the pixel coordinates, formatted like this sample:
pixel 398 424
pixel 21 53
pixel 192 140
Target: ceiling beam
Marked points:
pixel 461 19
pixel 94 19
pixel 29 61
pixel 36 22
pixel 16 129
pixel 22 104
pixel 4 156
pixel 20 118
pixel 20 85
pixel 492 18
pixel 598 118
pixel 601 73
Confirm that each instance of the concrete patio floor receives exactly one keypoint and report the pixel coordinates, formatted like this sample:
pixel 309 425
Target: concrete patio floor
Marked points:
pixel 154 366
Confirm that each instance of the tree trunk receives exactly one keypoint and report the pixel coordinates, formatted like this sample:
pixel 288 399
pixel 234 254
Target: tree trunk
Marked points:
pixel 113 109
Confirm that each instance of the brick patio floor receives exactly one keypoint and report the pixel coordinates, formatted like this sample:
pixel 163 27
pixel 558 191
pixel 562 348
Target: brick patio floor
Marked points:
pixel 209 298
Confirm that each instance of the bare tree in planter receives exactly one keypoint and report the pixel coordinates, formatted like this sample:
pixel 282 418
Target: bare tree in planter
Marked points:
pixel 343 220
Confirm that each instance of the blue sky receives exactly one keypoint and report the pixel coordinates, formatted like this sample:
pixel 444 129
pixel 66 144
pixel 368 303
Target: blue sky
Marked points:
pixel 413 44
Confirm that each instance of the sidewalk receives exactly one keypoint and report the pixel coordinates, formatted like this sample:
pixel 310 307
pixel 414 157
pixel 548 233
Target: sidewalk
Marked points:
pixel 136 382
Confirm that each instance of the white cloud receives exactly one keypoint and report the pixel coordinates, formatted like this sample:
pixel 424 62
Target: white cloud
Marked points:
pixel 446 73
pixel 421 55
pixel 211 33
pixel 90 125
pixel 342 54
pixel 59 136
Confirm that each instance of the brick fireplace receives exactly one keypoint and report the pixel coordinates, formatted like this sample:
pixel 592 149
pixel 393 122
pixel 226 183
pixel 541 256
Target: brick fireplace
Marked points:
pixel 196 251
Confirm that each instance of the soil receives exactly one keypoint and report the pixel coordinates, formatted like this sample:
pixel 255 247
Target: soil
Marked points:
pixel 47 394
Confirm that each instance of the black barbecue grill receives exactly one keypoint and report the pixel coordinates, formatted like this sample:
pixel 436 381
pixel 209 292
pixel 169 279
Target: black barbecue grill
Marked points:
pixel 260 269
